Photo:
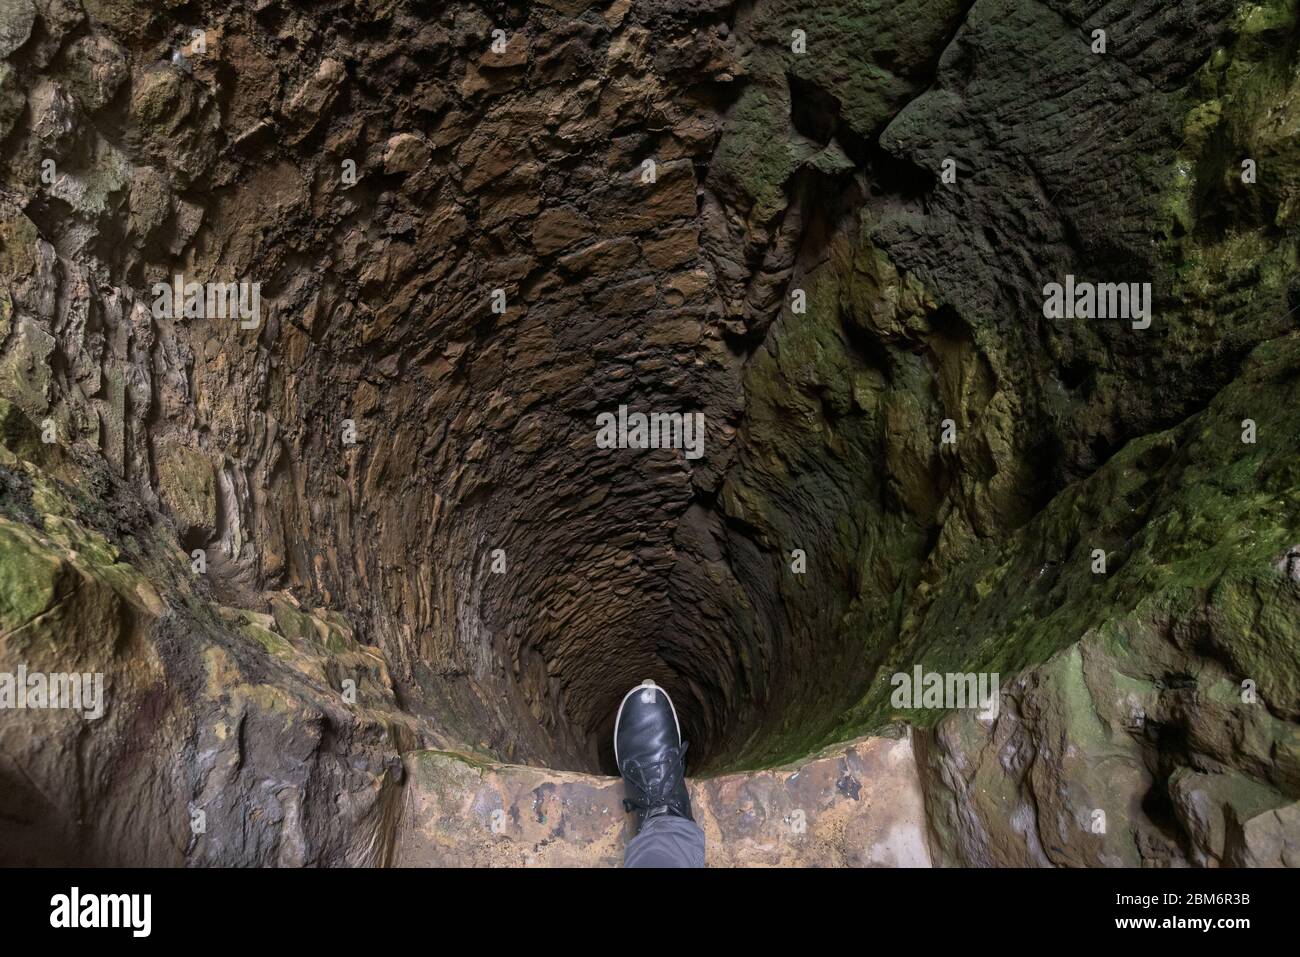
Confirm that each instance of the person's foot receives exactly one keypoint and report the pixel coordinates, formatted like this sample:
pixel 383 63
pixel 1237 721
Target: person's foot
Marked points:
pixel 650 754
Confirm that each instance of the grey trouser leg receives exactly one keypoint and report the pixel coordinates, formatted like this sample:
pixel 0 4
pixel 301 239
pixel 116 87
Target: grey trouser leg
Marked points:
pixel 666 841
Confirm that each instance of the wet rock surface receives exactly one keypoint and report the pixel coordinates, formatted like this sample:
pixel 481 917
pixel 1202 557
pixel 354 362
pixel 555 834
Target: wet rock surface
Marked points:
pixel 466 250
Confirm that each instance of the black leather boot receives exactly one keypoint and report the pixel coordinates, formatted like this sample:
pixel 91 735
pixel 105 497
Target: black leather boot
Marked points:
pixel 650 753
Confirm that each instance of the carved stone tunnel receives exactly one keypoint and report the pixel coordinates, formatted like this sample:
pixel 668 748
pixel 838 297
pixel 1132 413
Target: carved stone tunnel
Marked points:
pixel 476 228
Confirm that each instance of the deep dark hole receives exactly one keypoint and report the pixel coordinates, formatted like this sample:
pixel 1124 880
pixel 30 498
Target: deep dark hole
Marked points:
pixel 814 112
pixel 900 177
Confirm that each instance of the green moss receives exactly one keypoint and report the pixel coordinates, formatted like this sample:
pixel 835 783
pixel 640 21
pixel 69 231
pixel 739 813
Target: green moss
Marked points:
pixel 269 640
pixel 338 632
pixel 818 416
pixel 29 578
pixel 754 152
pixel 326 630
pixel 1192 519
pixel 293 623
pixel 1204 529
pixel 1245 105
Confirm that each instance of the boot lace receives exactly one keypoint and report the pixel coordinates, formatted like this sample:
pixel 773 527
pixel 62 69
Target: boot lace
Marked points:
pixel 654 788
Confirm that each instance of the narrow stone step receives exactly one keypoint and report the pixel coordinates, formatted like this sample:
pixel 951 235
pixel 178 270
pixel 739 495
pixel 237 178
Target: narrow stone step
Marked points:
pixel 856 805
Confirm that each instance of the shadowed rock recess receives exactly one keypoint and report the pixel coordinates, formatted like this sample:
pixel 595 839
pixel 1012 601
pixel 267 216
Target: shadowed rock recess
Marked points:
pixel 350 562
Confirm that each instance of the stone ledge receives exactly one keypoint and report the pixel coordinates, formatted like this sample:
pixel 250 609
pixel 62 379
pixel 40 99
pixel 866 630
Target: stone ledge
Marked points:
pixel 860 805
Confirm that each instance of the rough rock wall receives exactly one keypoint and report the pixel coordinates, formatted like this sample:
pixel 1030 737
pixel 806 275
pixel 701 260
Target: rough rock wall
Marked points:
pixel 476 171
pixel 1168 734
pixel 352 461
pixel 214 736
pixel 1070 437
